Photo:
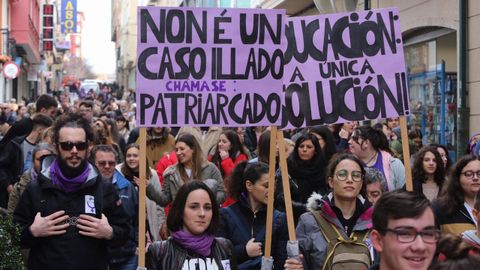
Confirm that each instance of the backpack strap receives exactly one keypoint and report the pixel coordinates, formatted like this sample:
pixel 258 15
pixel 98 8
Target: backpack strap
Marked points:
pixel 328 230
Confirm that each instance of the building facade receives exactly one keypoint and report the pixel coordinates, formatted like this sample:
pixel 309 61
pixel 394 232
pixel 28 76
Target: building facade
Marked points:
pixel 445 107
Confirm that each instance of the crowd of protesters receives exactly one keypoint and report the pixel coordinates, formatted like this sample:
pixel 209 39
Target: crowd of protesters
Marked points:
pixel 69 176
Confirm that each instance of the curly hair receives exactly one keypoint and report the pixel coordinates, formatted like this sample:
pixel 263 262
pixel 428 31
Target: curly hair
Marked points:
pixel 73 120
pixel 418 171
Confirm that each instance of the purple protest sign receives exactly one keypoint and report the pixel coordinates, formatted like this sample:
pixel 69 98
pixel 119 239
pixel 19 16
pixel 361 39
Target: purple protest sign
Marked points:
pixel 203 67
pixel 344 67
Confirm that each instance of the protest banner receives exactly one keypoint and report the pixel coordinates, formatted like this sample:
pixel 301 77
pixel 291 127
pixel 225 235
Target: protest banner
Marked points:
pixel 202 67
pixel 344 67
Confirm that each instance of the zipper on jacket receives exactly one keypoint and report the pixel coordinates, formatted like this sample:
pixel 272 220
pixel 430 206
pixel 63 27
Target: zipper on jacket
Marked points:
pixel 253 223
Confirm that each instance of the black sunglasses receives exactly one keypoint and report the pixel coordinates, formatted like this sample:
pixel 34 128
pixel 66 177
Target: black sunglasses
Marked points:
pixel 67 146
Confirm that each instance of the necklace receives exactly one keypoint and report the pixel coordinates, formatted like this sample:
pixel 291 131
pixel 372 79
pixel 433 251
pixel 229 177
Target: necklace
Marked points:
pixel 372 158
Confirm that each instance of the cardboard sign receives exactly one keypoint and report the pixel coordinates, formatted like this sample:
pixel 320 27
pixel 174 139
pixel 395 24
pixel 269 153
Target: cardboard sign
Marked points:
pixel 344 67
pixel 203 67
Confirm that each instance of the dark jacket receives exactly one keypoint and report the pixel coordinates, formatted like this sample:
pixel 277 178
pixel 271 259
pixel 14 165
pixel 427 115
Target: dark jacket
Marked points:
pixel 19 128
pixel 70 250
pixel 168 255
pixel 129 197
pixel 454 223
pixel 253 223
pixel 304 180
pixel 11 167
pixel 250 139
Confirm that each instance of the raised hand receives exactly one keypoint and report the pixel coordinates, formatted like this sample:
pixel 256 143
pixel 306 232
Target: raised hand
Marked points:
pixel 94 227
pixel 49 225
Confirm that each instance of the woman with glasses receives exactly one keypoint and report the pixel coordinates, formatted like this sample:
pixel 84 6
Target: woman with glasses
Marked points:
pixel 371 147
pixel 453 209
pixel 344 209
pixel 130 169
pixel 428 172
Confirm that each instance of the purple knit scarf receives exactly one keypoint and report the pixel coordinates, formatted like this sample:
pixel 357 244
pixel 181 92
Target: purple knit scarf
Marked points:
pixel 67 184
pixel 201 244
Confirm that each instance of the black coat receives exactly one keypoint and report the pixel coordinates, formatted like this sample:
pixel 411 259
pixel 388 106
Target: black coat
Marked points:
pixel 168 255
pixel 70 250
pixel 11 167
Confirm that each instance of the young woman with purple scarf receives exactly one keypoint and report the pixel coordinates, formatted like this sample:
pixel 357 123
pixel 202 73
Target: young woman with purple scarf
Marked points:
pixel 191 221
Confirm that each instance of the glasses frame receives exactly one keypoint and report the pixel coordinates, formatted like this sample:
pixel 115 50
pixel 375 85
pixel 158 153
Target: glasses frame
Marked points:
pixel 68 145
pixel 476 173
pixel 351 176
pixel 417 233
pixel 110 163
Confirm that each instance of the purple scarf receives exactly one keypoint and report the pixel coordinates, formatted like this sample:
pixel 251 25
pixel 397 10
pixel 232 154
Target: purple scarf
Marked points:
pixel 201 244
pixel 67 184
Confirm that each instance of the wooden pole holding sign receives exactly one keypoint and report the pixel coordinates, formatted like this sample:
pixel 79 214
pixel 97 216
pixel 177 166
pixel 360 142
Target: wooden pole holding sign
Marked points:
pixel 406 153
pixel 286 186
pixel 276 137
pixel 141 197
pixel 271 192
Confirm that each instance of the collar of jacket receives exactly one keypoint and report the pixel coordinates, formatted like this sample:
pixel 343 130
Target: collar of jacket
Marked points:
pixel 121 182
pixel 323 204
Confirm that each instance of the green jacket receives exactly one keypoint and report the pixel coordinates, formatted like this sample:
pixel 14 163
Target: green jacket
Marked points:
pixel 17 191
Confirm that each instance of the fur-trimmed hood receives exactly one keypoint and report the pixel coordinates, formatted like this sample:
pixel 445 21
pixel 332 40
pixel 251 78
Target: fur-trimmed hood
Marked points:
pixel 324 204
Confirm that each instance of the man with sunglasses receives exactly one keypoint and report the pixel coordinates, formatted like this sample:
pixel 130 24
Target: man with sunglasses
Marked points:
pixel 404 232
pixel 122 257
pixel 69 216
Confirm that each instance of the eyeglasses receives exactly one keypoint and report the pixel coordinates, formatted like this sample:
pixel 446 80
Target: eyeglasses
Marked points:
pixel 67 146
pixel 408 235
pixel 470 174
pixel 342 175
pixel 104 163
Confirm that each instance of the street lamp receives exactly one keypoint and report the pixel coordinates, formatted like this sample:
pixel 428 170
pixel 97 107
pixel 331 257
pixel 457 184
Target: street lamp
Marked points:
pixel 335 6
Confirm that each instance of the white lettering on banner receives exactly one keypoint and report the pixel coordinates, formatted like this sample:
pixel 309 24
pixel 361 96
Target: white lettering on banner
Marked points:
pixel 204 264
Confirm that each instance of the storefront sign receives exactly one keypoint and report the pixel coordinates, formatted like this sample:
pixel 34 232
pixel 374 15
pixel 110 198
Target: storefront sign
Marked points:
pixel 47 30
pixel 69 16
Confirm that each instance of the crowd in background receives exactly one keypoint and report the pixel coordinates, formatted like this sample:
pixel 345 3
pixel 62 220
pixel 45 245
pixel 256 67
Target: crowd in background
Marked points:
pixel 337 173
